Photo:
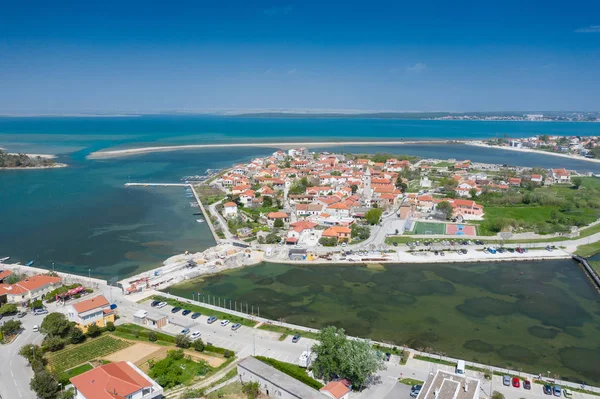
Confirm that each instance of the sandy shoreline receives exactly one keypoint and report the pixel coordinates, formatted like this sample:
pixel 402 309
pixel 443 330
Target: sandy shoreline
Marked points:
pixel 142 150
pixel 532 151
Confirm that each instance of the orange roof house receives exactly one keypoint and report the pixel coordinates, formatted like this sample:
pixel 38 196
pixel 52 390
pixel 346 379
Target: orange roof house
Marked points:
pixel 95 310
pixel 30 289
pixel 336 390
pixel 118 380
pixel 340 232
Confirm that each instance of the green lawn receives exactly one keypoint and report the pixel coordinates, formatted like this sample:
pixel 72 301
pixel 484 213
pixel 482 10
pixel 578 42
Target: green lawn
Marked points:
pixel 588 250
pixel 74 355
pixel 410 381
pixel 595 264
pixel 205 311
pixel 429 228
pixel 288 331
pixel 133 332
pixel 65 375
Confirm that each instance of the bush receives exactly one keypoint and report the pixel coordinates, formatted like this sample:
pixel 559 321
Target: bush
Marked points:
pixel 227 354
pixel 8 308
pixel 193 393
pixel 76 336
pixel 53 343
pixel 198 345
pixel 292 370
pixel 93 330
pixel 11 327
pixel 497 395
pixel 152 336
pixel 328 241
pixel 251 389
pixel 36 304
pixel 110 326
pixel 182 341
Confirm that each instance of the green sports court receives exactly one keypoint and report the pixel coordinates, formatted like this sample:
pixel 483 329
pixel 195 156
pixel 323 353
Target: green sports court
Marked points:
pixel 429 228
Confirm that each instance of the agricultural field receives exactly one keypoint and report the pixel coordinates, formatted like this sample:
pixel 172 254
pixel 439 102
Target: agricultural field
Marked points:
pixel 73 356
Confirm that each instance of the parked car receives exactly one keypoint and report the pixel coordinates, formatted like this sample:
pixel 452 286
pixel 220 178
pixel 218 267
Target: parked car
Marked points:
pixel 516 383
pixel 38 312
pixel 36 328
pixel 184 331
pixel 186 312
pixel 212 319
pixel 548 389
pixel 526 384
pixel 224 323
pixel 506 380
pixel 236 326
pixel 161 305
pixel 296 338
pixel 414 390
pixel 387 356
pixel 567 393
pixel 556 390
pixel 175 309
pixel 155 303
pixel 196 315
pixel 21 314
pixel 195 335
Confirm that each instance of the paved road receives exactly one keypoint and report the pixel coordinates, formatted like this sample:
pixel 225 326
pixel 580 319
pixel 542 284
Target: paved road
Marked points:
pixel 15 372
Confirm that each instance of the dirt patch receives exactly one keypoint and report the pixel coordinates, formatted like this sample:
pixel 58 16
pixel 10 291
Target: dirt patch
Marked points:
pixel 136 353
pixel 212 361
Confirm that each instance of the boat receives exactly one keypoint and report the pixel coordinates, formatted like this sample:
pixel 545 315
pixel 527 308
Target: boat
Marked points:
pixel 2 260
pixel 31 262
pixel 200 220
pixel 197 214
pixel 194 204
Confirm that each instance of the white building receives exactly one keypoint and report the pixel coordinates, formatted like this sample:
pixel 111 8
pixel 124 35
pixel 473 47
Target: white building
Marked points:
pixel 230 210
pixel 445 385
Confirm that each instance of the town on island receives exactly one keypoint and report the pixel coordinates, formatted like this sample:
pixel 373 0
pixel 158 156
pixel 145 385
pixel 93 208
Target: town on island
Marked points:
pixel 299 206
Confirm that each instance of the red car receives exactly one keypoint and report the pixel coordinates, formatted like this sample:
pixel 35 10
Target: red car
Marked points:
pixel 516 382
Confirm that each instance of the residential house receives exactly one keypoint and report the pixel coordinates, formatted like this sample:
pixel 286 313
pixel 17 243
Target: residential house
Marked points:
pixel 514 181
pixel 237 190
pixel 4 274
pixel 339 210
pixel 95 310
pixel 247 196
pixel 119 380
pixel 303 210
pixel 467 209
pixel 337 389
pixel 341 233
pixel 29 289
pixel 561 175
pixel 230 210
pixel 300 230
pixel 273 216
pixel 537 179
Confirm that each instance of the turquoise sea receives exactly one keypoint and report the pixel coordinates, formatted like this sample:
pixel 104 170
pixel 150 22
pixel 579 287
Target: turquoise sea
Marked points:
pixel 82 217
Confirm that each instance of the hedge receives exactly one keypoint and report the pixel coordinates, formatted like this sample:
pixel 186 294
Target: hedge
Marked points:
pixel 293 371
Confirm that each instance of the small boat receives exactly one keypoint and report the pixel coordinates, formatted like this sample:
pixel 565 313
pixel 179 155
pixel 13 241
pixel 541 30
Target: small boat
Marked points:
pixel 200 220
pixel 31 262
pixel 2 260
pixel 197 214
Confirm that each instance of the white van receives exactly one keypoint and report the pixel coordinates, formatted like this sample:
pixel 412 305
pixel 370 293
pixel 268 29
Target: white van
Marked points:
pixel 460 367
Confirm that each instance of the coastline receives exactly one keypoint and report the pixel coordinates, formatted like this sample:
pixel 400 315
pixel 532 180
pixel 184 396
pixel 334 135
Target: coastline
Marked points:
pixel 142 150
pixel 532 151
pixel 57 165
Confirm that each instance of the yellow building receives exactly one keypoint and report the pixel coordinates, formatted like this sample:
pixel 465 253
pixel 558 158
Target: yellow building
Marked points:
pixel 95 310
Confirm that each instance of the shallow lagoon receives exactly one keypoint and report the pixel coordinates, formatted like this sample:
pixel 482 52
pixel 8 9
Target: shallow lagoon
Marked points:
pixel 534 316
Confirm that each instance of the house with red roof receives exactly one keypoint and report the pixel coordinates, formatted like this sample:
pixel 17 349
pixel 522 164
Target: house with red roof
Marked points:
pixel 341 233
pixel 237 190
pixel 514 181
pixel 561 175
pixel 273 216
pixel 339 209
pixel 29 289
pixel 467 209
pixel 95 310
pixel 337 390
pixel 230 209
pixel 299 230
pixel 247 196
pixel 119 380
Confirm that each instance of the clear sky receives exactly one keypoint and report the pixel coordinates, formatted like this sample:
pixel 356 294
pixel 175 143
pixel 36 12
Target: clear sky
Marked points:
pixel 110 56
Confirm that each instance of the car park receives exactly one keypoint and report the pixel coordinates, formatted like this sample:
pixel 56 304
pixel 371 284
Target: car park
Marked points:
pixel 506 380
pixel 186 312
pixel 175 309
pixel 196 315
pixel 155 303
pixel 548 389
pixel 414 390
pixel 195 335
pixel 556 390
pixel 296 338
pixel 236 326
pixel 526 384
pixel 161 305
pixel 516 383
pixel 212 319
pixel 224 323
pixel 184 331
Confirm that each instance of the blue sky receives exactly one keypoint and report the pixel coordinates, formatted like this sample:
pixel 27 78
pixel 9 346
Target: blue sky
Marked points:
pixel 108 56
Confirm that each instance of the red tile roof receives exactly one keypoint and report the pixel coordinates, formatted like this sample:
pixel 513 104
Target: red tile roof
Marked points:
pixel 4 274
pixel 230 205
pixel 336 388
pixel 110 381
pixel 89 304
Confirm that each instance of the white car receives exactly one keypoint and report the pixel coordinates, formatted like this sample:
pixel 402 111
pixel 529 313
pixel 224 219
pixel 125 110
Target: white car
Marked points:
pixel 195 335
pixel 36 328
pixel 224 323
pixel 161 305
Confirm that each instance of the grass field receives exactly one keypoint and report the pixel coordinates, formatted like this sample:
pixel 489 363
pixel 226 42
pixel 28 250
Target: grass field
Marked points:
pixel 65 375
pixel 206 311
pixel 588 250
pixel 429 228
pixel 75 355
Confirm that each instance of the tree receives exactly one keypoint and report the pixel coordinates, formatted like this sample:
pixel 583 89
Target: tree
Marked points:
pixel 272 238
pixel 31 352
pixel 328 241
pixel 446 208
pixel 373 215
pixel 473 192
pixel 497 395
pixel 66 394
pixel 278 223
pixel 577 181
pixel 198 345
pixel 152 337
pixel 11 327
pixel 56 324
pixel 76 336
pixel 93 330
pixel 360 360
pixel 110 326
pixel 54 343
pixel 360 232
pixel 354 188
pixel 8 308
pixel 267 201
pixel 44 385
pixel 182 341
pixel 329 354
pixel 251 389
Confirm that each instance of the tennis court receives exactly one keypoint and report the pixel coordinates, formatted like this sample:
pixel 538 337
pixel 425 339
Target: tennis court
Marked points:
pixel 460 230
pixel 429 228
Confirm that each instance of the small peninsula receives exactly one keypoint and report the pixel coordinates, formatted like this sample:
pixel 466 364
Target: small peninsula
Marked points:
pixel 27 161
